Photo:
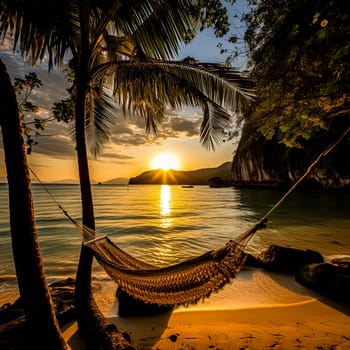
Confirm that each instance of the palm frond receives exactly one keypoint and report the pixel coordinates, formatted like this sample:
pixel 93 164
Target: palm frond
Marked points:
pixel 38 34
pixel 226 87
pixel 98 122
pixel 145 88
pixel 214 125
pixel 157 26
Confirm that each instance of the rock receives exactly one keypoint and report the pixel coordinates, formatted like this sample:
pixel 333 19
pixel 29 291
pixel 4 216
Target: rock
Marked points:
pixel 63 296
pixel 251 261
pixel 317 276
pixel 285 259
pixel 129 306
pixel 217 182
pixel 10 312
pixel 342 287
pixel 173 337
pixel 269 163
pixel 327 278
pixel 12 320
pixel 343 261
pixel 12 332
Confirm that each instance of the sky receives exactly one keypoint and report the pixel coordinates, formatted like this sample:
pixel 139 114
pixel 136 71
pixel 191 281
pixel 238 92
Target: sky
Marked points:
pixel 130 151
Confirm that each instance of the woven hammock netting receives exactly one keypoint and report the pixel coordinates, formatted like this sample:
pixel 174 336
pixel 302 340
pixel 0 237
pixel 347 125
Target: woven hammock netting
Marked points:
pixel 180 284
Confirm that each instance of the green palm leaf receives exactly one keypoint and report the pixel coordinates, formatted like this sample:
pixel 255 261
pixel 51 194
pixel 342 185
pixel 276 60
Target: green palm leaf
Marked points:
pixel 161 27
pixel 146 88
pixel 214 126
pixel 98 122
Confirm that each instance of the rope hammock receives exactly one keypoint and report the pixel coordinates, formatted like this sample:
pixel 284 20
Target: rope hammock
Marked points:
pixel 184 283
pixel 180 284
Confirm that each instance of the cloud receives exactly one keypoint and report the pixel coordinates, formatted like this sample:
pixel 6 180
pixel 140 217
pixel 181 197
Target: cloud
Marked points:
pixel 125 130
pixel 131 130
pixel 112 156
pixel 56 146
pixel 180 126
pixel 54 81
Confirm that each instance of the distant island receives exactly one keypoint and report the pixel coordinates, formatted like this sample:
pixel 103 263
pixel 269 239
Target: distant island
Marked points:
pixel 214 177
pixel 117 181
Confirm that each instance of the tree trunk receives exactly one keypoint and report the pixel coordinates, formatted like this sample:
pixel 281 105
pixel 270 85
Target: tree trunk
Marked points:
pixel 43 329
pixel 93 326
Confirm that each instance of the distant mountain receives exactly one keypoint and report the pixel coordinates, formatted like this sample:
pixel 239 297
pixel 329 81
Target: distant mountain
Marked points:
pixel 66 182
pixel 35 181
pixel 117 181
pixel 206 176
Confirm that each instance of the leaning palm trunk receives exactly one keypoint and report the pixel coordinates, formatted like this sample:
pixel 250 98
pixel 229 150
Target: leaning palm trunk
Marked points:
pixel 43 331
pixel 92 324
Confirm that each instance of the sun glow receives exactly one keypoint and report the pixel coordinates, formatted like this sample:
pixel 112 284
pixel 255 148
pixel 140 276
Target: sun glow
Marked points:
pixel 165 161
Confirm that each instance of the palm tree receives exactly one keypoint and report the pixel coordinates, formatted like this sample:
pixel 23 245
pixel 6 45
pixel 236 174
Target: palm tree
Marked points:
pixel 37 35
pixel 140 30
pixel 43 331
pixel 145 85
pixel 131 43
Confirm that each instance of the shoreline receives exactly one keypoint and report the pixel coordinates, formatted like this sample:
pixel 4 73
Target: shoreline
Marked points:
pixel 259 310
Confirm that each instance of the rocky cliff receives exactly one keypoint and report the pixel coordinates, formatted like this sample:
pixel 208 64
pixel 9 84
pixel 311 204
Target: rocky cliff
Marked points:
pixel 259 162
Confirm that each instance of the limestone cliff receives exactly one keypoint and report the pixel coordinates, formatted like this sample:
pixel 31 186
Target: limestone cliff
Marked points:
pixel 259 162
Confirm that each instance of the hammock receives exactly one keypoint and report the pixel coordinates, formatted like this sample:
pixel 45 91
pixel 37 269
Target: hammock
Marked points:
pixel 180 284
pixel 183 283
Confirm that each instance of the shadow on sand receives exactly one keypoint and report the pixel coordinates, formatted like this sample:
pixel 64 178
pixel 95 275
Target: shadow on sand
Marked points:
pixel 288 281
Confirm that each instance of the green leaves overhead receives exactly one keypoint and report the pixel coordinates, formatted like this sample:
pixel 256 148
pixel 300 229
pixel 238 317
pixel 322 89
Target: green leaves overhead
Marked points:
pixel 38 34
pixel 158 27
pixel 300 59
pixel 146 88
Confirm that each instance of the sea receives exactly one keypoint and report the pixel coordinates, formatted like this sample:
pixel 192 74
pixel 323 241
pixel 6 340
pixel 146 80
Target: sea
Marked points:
pixel 166 224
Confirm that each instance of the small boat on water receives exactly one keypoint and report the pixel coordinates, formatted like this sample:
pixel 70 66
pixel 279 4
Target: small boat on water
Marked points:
pixel 187 186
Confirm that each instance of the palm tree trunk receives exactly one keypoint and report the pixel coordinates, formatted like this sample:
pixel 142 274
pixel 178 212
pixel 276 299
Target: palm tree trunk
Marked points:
pixel 43 329
pixel 93 326
pixel 83 283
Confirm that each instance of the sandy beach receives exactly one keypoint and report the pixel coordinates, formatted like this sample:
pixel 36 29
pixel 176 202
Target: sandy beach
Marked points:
pixel 257 311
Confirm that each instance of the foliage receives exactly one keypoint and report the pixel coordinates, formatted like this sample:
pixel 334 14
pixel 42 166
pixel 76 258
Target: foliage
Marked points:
pixel 300 59
pixel 212 13
pixel 34 126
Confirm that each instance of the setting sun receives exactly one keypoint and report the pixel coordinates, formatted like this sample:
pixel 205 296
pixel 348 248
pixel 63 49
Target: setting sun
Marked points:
pixel 165 161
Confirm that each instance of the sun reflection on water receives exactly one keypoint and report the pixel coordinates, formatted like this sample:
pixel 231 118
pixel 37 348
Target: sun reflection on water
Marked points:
pixel 165 199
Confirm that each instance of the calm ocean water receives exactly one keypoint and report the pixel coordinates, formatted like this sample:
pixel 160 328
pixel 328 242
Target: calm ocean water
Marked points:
pixel 167 224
